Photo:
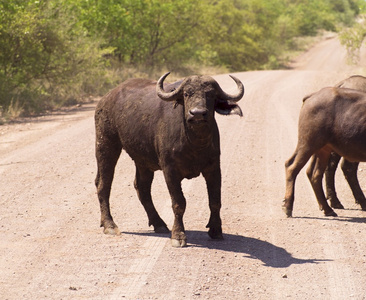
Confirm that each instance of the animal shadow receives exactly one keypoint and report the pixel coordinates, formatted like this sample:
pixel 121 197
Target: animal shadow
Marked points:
pixel 360 220
pixel 270 255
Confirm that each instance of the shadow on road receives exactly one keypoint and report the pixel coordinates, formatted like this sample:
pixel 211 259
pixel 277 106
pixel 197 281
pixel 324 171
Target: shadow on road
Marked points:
pixel 337 219
pixel 271 255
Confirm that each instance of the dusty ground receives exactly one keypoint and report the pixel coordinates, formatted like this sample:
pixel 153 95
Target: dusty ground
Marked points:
pixel 52 247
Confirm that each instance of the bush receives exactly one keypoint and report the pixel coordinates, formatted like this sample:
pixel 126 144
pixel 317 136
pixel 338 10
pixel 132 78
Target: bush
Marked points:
pixel 353 38
pixel 46 57
pixel 56 52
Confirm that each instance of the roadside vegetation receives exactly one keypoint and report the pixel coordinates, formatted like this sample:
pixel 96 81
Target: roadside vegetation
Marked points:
pixel 60 52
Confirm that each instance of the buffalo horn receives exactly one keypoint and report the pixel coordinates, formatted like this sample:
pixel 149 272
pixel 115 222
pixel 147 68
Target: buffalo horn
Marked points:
pixel 236 97
pixel 167 96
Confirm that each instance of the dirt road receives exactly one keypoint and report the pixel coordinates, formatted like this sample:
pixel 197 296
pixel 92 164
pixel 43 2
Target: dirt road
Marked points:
pixel 52 247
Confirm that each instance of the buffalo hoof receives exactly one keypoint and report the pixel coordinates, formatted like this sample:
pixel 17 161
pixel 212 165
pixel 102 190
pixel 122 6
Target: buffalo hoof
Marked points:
pixel 179 243
pixel 287 211
pixel 330 214
pixel 110 227
pixel 179 240
pixel 215 234
pixel 337 205
pixel 362 203
pixel 112 231
pixel 161 229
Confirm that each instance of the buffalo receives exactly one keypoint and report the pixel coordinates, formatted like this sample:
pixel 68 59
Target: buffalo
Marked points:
pixel 172 129
pixel 331 120
pixel 349 169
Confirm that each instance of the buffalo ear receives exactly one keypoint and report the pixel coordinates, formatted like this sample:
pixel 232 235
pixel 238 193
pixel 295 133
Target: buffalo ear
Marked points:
pixel 226 108
pixel 178 101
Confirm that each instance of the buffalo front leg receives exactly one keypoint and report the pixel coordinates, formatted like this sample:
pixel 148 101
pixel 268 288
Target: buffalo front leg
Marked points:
pixel 330 179
pixel 143 181
pixel 350 173
pixel 315 174
pixel 178 238
pixel 213 182
pixel 107 158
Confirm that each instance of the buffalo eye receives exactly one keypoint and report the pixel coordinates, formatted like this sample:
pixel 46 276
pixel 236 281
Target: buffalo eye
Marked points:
pixel 188 94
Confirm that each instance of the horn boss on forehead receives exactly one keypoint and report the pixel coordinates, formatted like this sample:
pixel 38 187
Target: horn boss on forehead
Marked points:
pixel 171 96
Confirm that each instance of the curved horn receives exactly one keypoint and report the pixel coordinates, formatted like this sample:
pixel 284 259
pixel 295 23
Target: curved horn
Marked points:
pixel 236 97
pixel 166 96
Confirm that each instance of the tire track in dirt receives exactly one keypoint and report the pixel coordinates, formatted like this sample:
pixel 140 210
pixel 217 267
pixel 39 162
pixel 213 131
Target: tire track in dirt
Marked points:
pixel 340 274
pixel 141 268
pixel 25 220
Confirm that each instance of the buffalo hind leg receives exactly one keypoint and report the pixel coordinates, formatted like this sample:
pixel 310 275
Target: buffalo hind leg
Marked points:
pixel 293 166
pixel 107 155
pixel 330 179
pixel 350 172
pixel 213 182
pixel 143 181
pixel 315 174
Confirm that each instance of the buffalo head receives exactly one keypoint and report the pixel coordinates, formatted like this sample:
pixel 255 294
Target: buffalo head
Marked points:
pixel 201 96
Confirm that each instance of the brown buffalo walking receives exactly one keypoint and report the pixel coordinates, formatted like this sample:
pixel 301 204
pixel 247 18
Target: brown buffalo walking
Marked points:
pixel 172 129
pixel 331 120
pixel 356 82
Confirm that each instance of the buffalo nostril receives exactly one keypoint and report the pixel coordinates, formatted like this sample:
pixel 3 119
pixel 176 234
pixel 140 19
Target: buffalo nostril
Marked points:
pixel 198 111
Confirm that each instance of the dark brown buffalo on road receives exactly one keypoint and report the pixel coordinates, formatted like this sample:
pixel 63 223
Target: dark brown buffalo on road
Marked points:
pixel 331 120
pixel 173 130
pixel 349 169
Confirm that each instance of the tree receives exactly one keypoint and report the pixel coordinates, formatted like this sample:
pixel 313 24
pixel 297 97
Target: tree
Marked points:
pixel 145 32
pixel 45 56
pixel 54 52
